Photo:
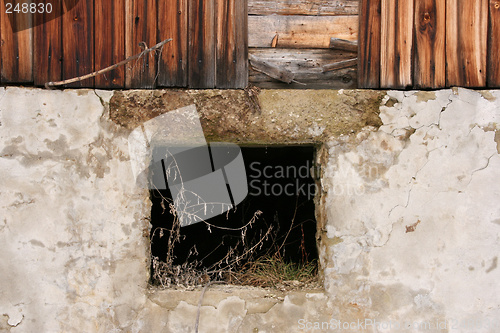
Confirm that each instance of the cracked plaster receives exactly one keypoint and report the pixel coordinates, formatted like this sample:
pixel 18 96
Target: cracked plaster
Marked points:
pixel 433 167
pixel 409 220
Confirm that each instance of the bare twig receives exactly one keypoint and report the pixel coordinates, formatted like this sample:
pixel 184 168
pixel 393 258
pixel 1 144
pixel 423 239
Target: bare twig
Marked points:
pixel 48 85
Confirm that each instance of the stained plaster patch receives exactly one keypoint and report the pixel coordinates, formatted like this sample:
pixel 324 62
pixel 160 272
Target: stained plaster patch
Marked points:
pixel 428 158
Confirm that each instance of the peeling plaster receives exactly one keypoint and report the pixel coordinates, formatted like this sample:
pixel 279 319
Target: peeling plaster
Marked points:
pixel 408 216
pixel 433 193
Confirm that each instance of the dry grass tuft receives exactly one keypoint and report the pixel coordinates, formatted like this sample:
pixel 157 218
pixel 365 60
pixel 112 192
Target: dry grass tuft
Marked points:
pixel 275 272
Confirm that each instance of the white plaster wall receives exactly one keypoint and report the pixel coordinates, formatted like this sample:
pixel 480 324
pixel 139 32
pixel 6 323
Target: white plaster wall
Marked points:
pixel 73 251
pixel 414 211
pixel 71 244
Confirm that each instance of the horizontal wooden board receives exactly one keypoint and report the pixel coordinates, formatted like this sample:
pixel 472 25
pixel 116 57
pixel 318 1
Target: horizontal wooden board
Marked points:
pixel 307 67
pixel 303 7
pixel 300 31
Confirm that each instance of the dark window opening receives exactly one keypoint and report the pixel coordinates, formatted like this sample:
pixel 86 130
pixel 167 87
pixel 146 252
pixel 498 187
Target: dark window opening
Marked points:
pixel 274 225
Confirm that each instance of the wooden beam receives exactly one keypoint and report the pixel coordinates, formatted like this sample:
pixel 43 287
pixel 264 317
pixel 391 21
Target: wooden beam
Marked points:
pixel 369 44
pixel 430 49
pixel 300 31
pixel 466 42
pixel 303 7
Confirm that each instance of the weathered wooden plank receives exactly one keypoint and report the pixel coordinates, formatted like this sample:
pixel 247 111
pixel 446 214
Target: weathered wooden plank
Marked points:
pixel 78 41
pixel 300 31
pixel 342 44
pixel 17 46
pixel 301 61
pixel 397 46
pixel 279 73
pixel 341 79
pixel 340 65
pixel 494 45
pixel 140 33
pixel 430 33
pixel 306 66
pixel 109 42
pixel 466 42
pixel 201 44
pixel 303 7
pixel 369 44
pixel 231 44
pixel 47 46
pixel 173 23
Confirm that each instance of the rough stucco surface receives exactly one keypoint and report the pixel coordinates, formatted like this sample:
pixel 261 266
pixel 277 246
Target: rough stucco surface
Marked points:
pixel 409 228
pixel 413 207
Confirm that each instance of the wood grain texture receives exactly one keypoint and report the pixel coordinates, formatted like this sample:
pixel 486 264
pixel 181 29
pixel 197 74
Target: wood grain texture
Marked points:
pixel 342 44
pixel 397 44
pixel 140 33
pixel 173 23
pixel 47 46
pixel 340 65
pixel 300 31
pixel 78 41
pixel 494 45
pixel 109 42
pixel 201 68
pixel 369 44
pixel 430 49
pixel 231 44
pixel 17 47
pixel 307 68
pixel 303 7
pixel 280 73
pixel 466 42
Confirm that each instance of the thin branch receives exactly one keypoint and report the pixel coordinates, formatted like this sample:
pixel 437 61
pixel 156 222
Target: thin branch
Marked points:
pixel 107 69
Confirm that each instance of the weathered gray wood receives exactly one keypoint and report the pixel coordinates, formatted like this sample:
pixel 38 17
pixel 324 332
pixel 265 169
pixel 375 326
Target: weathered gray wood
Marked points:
pixel 301 60
pixel 276 72
pixel 303 7
pixel 344 45
pixel 342 79
pixel 307 68
pixel 300 31
pixel 340 65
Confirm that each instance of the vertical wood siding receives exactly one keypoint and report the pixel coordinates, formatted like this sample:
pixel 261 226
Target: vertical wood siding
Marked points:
pixel 208 49
pixel 430 43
